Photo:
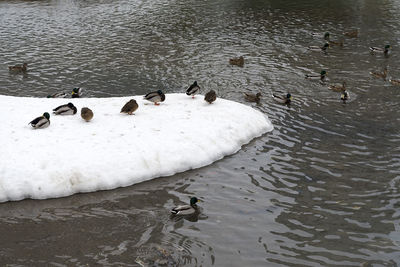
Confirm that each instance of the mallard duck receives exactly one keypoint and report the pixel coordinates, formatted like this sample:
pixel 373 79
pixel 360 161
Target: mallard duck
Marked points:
pixel 337 43
pixel 394 82
pixel 351 34
pixel 344 96
pixel 18 68
pixel 379 75
pixel 338 88
pixel 41 122
pixel 252 97
pixel 76 92
pixel 238 61
pixel 67 109
pixel 58 95
pixel 327 36
pixel 86 114
pixel 282 99
pixel 186 209
pixel 210 97
pixel 193 89
pixel 320 76
pixel 157 96
pixel 319 48
pixel 130 107
pixel 384 50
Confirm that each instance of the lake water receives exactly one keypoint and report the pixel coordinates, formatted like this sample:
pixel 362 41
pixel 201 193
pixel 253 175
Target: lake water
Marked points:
pixel 322 189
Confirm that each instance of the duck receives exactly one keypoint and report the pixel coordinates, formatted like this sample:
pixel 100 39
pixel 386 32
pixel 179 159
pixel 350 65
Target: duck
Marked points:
pixel 18 68
pixel 76 92
pixel 86 114
pixel 327 36
pixel 321 76
pixel 338 88
pixel 58 95
pixel 351 34
pixel 210 97
pixel 41 122
pixel 337 43
pixel 252 97
pixel 238 61
pixel 186 209
pixel 193 89
pixel 319 48
pixel 282 99
pixel 379 75
pixel 67 109
pixel 130 107
pixel 345 96
pixel 394 82
pixel 156 96
pixel 384 50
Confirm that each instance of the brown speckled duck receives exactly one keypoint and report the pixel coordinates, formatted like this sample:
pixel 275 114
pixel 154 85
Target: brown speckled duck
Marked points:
pixel 18 68
pixel 337 87
pixel 238 61
pixel 379 75
pixel 130 107
pixel 86 114
pixel 252 97
pixel 210 97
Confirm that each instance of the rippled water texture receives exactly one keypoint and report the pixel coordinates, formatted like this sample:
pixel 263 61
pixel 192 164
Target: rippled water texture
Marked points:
pixel 321 190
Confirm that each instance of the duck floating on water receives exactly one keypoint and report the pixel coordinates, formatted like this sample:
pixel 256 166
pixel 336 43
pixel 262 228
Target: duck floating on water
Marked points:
pixel 238 61
pixel 155 97
pixel 384 50
pixel 319 48
pixel 41 122
pixel 345 96
pixel 67 109
pixel 76 92
pixel 252 97
pixel 394 82
pixel 282 99
pixel 130 107
pixel 379 75
pixel 193 89
pixel 58 95
pixel 86 114
pixel 337 87
pixel 18 68
pixel 211 96
pixel 186 209
pixel 321 76
pixel 351 34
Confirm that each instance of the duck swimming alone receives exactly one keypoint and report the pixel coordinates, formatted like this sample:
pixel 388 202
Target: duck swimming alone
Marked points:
pixel 86 114
pixel 130 107
pixel 351 34
pixel 210 97
pixel 320 76
pixel 345 96
pixel 76 92
pixel 282 99
pixel 18 68
pixel 338 88
pixel 67 109
pixel 319 48
pixel 41 122
pixel 58 95
pixel 155 97
pixel 186 209
pixel 379 75
pixel 238 61
pixel 193 89
pixel 252 97
pixel 384 50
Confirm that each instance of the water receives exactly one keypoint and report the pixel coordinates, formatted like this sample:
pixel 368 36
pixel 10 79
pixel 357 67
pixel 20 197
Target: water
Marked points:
pixel 322 189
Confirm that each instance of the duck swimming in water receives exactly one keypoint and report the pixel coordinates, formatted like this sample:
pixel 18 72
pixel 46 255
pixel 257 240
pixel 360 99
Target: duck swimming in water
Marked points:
pixel 238 61
pixel 252 97
pixel 319 48
pixel 320 76
pixel 155 97
pixel 345 96
pixel 186 209
pixel 282 99
pixel 58 95
pixel 379 75
pixel 385 50
pixel 18 68
pixel 41 122
pixel 76 92
pixel 338 88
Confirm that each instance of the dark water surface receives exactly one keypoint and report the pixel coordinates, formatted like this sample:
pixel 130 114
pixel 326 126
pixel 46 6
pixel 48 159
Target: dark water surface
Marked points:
pixel 322 189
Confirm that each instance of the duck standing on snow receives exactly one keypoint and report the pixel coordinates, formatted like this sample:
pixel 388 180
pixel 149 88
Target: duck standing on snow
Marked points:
pixel 320 76
pixel 76 92
pixel 210 97
pixel 344 96
pixel 384 50
pixel 379 75
pixel 186 209
pixel 193 89
pixel 282 99
pixel 58 95
pixel 130 107
pixel 319 48
pixel 155 97
pixel 238 61
pixel 41 122
pixel 67 109
pixel 18 68
pixel 252 97
pixel 86 114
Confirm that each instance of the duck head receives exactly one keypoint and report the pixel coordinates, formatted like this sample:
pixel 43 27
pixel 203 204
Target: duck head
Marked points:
pixel 46 115
pixel 193 201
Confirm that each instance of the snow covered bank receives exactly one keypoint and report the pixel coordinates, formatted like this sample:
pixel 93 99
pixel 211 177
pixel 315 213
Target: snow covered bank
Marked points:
pixel 115 149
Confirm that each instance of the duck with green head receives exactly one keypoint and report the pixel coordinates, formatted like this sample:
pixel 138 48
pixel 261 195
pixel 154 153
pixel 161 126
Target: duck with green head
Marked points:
pixel 41 122
pixel 155 97
pixel 384 50
pixel 186 209
pixel 58 95
pixel 345 96
pixel 67 109
pixel 193 89
pixel 76 92
pixel 285 99
pixel 319 48
pixel 321 76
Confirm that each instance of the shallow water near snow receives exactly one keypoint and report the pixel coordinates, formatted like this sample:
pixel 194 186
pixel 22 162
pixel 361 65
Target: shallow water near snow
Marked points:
pixel 321 189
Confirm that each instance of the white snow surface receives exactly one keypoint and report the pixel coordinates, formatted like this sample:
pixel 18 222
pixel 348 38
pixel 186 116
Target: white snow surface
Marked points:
pixel 114 149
